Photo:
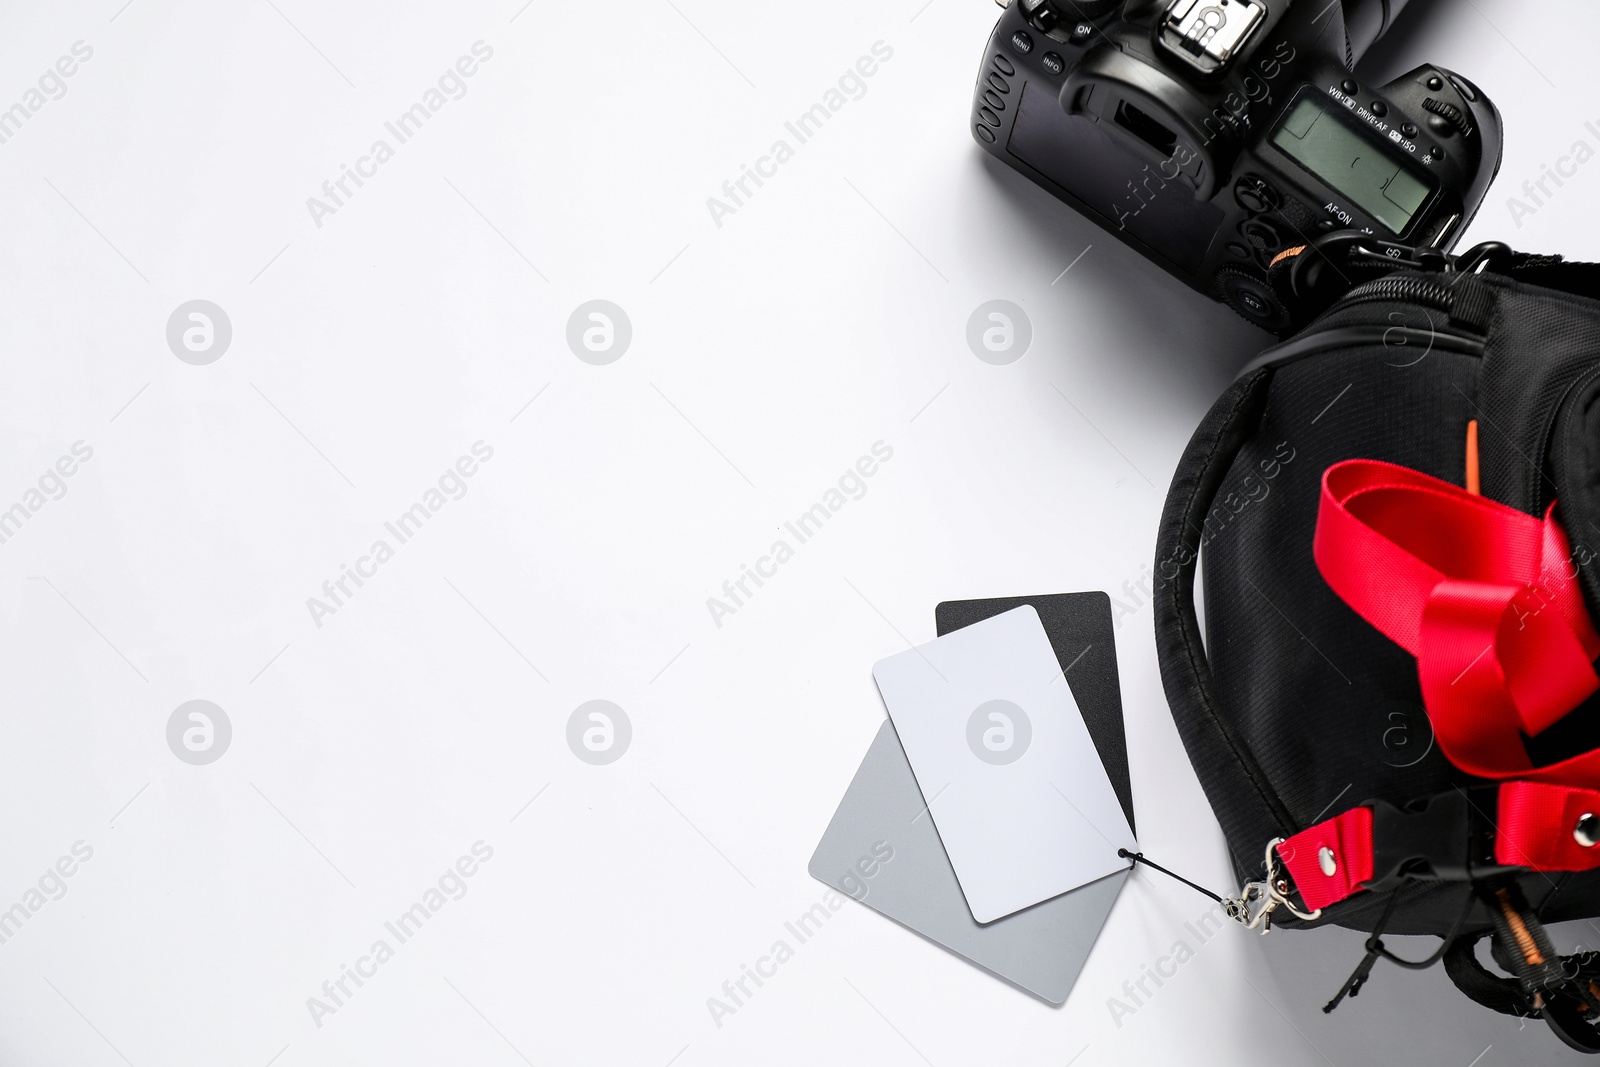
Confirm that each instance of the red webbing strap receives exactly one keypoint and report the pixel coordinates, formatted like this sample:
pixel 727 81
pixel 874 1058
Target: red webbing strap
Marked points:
pixel 1348 839
pixel 1536 827
pixel 1482 594
pixel 1486 598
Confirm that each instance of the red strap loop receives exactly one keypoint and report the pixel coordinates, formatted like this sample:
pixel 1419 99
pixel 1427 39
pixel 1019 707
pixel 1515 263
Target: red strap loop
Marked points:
pixel 1486 598
pixel 1483 595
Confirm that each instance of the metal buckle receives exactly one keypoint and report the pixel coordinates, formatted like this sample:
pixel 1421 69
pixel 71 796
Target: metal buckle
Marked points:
pixel 1256 902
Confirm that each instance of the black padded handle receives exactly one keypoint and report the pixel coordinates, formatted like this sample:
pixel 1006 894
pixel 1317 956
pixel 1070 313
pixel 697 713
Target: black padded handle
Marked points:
pixel 1240 795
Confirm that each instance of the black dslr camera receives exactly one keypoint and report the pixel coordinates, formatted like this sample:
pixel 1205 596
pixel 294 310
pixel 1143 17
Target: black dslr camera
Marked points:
pixel 1223 137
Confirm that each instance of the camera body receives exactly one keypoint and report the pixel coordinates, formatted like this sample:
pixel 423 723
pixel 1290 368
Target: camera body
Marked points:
pixel 1215 136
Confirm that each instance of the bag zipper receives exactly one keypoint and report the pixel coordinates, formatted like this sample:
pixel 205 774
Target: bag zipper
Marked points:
pixel 1418 290
pixel 1410 288
pixel 1438 296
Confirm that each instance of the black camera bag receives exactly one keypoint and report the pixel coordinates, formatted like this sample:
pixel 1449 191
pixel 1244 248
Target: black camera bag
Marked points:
pixel 1295 710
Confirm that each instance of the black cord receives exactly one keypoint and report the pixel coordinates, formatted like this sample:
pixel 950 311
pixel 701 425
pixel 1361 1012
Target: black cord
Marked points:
pixel 1422 965
pixel 1138 857
pixel 1375 949
pixel 1358 977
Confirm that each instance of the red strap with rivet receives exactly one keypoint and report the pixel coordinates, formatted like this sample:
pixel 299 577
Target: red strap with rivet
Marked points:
pixel 1327 877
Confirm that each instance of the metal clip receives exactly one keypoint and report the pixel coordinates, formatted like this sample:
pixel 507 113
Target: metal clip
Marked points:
pixel 1482 257
pixel 1388 255
pixel 1255 903
pixel 1252 907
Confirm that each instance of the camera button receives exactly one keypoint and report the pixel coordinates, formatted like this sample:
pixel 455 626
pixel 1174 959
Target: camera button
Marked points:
pixel 1379 108
pixel 1238 251
pixel 1022 42
pixel 1082 30
pixel 1262 234
pixel 989 116
pixel 1436 83
pixel 1252 298
pixel 1349 85
pixel 1435 152
pixel 1464 87
pixel 985 132
pixel 1003 65
pixel 1052 63
pixel 1254 194
pixel 993 99
pixel 999 83
pixel 1409 129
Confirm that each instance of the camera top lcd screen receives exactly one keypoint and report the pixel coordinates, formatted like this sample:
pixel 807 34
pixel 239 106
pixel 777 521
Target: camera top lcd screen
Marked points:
pixel 1323 141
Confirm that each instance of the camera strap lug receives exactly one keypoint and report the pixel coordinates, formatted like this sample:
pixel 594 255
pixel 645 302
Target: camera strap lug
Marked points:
pixel 1389 256
pixel 1313 277
pixel 1490 255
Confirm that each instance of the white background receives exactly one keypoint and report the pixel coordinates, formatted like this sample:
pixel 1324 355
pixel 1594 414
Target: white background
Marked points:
pixel 769 353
